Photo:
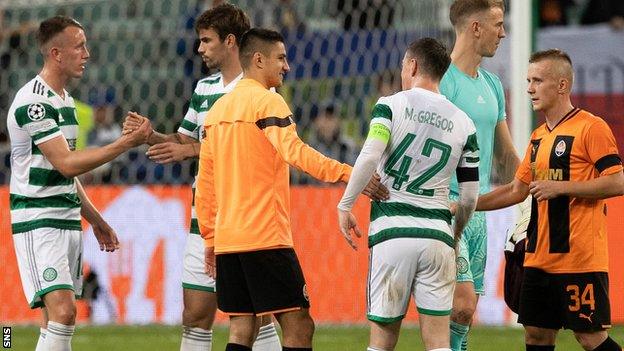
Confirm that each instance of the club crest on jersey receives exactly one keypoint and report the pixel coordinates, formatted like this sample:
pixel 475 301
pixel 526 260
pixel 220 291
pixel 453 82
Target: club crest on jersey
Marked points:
pixel 36 112
pixel 560 148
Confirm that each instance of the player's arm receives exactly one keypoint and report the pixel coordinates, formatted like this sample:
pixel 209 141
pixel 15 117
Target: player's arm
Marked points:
pixel 506 158
pixel 105 235
pixel 72 163
pixel 363 170
pixel 467 173
pixel 279 128
pixel 503 196
pixel 166 148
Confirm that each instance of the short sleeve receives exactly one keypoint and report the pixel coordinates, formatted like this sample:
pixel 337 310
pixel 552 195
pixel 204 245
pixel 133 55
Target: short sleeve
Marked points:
pixel 602 149
pixel 500 98
pixel 523 173
pixel 38 119
pixel 189 126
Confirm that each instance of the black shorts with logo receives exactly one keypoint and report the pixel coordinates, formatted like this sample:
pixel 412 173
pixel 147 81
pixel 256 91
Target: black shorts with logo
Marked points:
pixel 576 301
pixel 260 282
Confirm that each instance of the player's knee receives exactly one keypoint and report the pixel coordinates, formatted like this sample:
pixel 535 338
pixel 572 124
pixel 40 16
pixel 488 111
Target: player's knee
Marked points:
pixel 590 341
pixel 299 330
pixel 64 313
pixel 539 336
pixel 463 314
pixel 195 319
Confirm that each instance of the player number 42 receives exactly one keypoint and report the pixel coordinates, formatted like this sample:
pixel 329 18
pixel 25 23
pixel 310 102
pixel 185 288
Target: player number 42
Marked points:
pixel 577 298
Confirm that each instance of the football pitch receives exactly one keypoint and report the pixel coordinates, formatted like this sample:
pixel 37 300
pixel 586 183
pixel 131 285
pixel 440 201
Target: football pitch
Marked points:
pixel 326 338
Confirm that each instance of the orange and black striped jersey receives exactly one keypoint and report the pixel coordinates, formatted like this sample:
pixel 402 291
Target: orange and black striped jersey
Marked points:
pixel 243 195
pixel 568 234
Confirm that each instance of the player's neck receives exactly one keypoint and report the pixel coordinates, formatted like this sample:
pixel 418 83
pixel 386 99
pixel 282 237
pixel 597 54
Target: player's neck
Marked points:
pixel 257 76
pixel 426 83
pixel 465 58
pixel 230 70
pixel 557 113
pixel 54 80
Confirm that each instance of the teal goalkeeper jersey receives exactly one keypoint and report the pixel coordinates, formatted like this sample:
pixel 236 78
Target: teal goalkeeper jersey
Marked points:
pixel 483 100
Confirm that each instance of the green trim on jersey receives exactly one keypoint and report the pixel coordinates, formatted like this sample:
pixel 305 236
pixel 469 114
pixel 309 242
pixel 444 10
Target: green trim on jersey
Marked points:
pixel 384 320
pixel 188 125
pixel 433 312
pixel 22 118
pixel 197 287
pixel 380 132
pixel 422 233
pixel 194 226
pixel 46 133
pixel 471 143
pixel 27 226
pixel 69 116
pixel 198 101
pixel 382 111
pixel 391 209
pixel 210 81
pixel 472 159
pixel 68 200
pixel 47 177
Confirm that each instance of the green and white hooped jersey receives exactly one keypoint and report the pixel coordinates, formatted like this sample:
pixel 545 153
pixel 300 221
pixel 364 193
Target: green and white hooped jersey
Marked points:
pixel 40 196
pixel 430 139
pixel 207 92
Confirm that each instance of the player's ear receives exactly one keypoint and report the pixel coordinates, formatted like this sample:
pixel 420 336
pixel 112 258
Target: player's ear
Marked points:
pixel 475 28
pixel 563 86
pixel 414 67
pixel 258 59
pixel 230 40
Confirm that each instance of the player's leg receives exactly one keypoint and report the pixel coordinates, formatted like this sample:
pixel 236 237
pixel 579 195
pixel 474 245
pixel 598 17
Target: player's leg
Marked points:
pixel 384 336
pixel 471 261
pixel 433 292
pixel 49 264
pixel 200 301
pixel 43 330
pixel 540 309
pixel 234 299
pixel 267 339
pixel 587 309
pixel 277 286
pixel 297 329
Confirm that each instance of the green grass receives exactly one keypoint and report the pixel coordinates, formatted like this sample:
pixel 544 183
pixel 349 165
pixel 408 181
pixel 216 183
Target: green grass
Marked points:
pixel 154 337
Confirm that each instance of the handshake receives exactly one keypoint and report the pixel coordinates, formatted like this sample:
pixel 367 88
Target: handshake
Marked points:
pixel 136 130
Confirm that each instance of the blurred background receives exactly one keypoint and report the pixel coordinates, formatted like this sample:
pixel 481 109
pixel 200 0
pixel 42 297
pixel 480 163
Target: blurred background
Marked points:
pixel 344 55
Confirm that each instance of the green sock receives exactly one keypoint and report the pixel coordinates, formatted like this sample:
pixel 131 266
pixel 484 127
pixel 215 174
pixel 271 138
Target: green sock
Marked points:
pixel 458 333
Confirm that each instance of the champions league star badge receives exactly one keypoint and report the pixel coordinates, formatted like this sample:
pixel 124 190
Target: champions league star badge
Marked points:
pixel 36 112
pixel 560 148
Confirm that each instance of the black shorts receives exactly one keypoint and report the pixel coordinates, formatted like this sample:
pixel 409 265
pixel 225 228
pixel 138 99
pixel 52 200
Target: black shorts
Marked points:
pixel 576 301
pixel 260 282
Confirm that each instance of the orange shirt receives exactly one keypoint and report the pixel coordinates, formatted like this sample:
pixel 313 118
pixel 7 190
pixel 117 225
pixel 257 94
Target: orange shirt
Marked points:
pixel 243 196
pixel 570 235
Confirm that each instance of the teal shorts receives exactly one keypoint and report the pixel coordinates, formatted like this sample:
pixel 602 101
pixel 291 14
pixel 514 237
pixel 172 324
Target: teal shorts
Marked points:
pixel 472 252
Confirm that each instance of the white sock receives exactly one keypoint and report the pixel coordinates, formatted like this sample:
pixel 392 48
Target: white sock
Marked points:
pixel 441 350
pixel 196 339
pixel 267 339
pixel 373 349
pixel 41 341
pixel 58 337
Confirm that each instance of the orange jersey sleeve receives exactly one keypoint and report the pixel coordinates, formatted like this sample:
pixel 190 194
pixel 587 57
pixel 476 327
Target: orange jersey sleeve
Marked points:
pixel 602 148
pixel 205 200
pixel 279 128
pixel 523 173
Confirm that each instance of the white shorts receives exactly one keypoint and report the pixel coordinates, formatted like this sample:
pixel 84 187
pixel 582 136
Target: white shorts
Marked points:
pixel 194 276
pixel 401 267
pixel 49 259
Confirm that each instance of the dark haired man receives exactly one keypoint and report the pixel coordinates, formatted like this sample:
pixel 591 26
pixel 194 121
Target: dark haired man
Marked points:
pixel 46 198
pixel 242 198
pixel 219 30
pixel 417 140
